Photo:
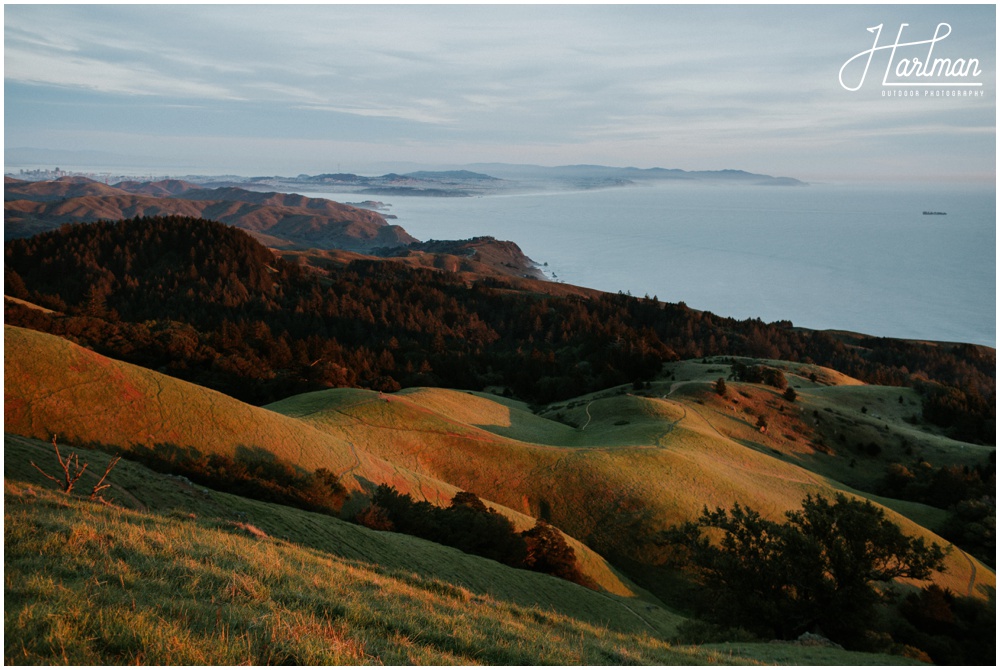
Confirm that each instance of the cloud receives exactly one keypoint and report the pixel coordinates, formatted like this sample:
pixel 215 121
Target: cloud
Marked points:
pixel 545 80
pixel 421 113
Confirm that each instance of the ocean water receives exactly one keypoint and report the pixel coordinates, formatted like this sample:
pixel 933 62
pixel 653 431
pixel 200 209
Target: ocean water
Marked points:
pixel 852 257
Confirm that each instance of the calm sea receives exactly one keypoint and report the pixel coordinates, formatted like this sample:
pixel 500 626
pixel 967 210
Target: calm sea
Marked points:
pixel 860 258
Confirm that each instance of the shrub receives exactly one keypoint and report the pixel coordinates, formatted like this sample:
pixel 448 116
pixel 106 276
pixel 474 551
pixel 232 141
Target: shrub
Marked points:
pixel 818 569
pixel 720 386
pixel 374 517
pixel 760 374
pixel 951 630
pixel 469 525
pixel 260 477
pixel 548 552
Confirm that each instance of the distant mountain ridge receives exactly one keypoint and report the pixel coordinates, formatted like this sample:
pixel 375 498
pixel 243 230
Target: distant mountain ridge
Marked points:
pixel 286 222
pixel 584 171
pixel 494 178
pixel 280 220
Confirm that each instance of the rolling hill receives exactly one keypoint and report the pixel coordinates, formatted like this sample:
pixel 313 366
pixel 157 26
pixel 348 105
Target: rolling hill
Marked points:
pixel 638 465
pixel 310 230
pixel 52 387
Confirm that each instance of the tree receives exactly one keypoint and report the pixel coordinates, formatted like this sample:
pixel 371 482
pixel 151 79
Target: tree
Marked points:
pixel 774 377
pixel 469 500
pixel 790 395
pixel 720 386
pixel 549 553
pixel 824 568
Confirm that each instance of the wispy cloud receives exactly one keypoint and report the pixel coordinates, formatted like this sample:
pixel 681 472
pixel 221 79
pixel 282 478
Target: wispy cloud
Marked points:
pixel 532 81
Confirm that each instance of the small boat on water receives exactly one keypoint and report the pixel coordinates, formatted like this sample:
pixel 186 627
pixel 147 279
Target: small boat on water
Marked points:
pixel 935 213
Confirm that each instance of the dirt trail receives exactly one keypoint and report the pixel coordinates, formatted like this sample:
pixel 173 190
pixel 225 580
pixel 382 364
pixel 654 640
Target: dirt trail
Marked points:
pixel 587 410
pixel 357 462
pixel 972 580
pixel 675 386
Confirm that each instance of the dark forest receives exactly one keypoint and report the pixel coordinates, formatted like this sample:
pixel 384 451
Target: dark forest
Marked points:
pixel 206 303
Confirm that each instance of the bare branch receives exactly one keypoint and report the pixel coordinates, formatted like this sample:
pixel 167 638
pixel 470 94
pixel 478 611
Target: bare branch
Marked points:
pixel 44 472
pixel 100 486
pixel 70 467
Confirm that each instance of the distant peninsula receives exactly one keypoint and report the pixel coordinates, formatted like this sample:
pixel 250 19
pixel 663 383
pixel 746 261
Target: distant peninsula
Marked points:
pixel 495 178
pixel 451 181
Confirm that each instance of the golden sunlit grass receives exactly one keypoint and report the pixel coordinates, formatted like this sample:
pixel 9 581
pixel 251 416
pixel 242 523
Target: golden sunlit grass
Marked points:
pixel 54 387
pixel 638 466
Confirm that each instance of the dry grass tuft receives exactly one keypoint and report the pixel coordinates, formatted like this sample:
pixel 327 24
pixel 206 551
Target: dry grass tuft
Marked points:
pixel 249 529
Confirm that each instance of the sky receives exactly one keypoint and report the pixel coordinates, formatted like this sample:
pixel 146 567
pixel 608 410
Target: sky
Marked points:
pixel 284 90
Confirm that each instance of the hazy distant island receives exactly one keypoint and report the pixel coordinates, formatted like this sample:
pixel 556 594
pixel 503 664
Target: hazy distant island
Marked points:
pixel 493 178
pixel 465 181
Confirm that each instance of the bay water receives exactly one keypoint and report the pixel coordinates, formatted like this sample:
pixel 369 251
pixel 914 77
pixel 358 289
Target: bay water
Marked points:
pixel 862 258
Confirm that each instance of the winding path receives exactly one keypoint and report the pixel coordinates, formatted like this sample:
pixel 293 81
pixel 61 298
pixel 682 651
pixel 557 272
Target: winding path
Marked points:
pixel 357 461
pixel 972 565
pixel 587 410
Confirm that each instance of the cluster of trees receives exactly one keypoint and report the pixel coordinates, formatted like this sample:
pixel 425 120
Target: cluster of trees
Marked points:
pixel 260 476
pixel 207 303
pixel 759 374
pixel 968 415
pixel 968 493
pixel 822 569
pixel 941 487
pixel 950 629
pixel 467 524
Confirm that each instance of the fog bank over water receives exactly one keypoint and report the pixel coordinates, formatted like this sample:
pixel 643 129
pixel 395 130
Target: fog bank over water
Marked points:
pixel 828 256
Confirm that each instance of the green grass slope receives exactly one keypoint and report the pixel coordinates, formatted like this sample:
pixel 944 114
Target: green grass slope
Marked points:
pixel 137 488
pixel 87 584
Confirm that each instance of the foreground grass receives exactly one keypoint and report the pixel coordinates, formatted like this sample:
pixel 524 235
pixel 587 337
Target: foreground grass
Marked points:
pixel 138 488
pixel 86 584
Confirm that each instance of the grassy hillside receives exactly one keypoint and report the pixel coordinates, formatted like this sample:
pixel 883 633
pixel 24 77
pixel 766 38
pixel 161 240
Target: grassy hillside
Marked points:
pixel 52 387
pixel 634 467
pixel 612 469
pixel 193 589
pixel 137 488
pixel 287 219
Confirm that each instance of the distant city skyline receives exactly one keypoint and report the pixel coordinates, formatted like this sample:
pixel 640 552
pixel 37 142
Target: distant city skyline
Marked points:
pixel 265 89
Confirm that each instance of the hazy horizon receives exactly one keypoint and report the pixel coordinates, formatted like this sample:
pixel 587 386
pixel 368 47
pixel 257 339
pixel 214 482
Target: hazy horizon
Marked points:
pixel 290 89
